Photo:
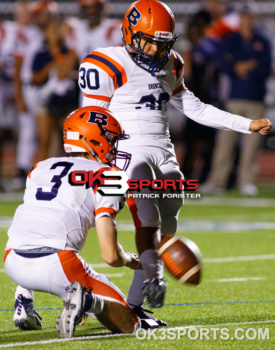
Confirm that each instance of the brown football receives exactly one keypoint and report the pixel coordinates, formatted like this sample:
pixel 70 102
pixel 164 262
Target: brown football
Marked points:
pixel 182 258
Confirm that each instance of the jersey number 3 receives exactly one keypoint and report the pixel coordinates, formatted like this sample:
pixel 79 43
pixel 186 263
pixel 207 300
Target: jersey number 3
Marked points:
pixel 48 196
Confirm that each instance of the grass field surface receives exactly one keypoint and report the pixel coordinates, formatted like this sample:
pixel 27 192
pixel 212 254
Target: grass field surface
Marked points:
pixel 232 307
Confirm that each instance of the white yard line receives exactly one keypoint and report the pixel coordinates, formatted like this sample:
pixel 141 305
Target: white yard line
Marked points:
pixel 232 202
pixel 99 266
pixel 11 197
pixel 111 275
pixel 204 200
pixel 109 335
pixel 210 226
pixel 222 226
pixel 114 275
pixel 5 221
pixel 205 260
pixel 236 279
pixel 191 226
pixel 239 258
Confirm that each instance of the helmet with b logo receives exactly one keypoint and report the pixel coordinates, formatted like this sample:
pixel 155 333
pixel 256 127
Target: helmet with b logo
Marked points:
pixel 152 21
pixel 95 130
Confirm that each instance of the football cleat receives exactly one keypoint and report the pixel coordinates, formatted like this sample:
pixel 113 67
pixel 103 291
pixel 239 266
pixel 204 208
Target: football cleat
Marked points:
pixel 146 320
pixel 25 317
pixel 77 302
pixel 154 290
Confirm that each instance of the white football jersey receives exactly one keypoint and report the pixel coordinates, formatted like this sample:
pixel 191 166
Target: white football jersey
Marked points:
pixel 29 40
pixel 108 77
pixel 8 32
pixel 55 213
pixel 84 39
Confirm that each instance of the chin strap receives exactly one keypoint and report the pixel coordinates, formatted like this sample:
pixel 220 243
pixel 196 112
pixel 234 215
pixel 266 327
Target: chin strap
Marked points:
pixel 92 152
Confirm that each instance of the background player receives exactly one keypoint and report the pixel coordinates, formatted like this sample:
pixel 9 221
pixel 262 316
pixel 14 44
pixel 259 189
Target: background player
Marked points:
pixel 136 82
pixel 31 17
pixel 93 29
pixel 44 257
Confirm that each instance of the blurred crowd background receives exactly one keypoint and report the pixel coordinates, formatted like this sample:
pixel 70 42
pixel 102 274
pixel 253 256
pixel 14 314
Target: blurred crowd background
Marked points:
pixel 228 49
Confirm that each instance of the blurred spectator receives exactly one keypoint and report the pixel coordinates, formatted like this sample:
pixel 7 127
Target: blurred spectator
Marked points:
pixel 93 29
pixel 201 77
pixel 8 33
pixel 43 12
pixel 8 120
pixel 223 18
pixel 246 59
pixel 53 67
pixel 1 148
pixel 27 42
pixel 29 16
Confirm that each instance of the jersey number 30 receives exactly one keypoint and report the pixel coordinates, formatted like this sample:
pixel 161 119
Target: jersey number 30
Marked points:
pixel 88 78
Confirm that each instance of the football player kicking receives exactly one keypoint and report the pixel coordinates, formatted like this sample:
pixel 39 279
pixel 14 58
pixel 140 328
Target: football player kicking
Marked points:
pixel 135 82
pixel 51 226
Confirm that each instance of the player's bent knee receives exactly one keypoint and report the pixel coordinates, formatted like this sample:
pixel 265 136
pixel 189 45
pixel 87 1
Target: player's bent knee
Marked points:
pixel 129 329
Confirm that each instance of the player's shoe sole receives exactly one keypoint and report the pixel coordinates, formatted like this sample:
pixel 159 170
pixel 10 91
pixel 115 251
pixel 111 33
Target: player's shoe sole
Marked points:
pixel 73 310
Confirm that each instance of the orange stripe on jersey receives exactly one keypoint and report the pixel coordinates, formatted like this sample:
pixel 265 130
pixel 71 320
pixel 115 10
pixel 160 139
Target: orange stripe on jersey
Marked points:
pixel 116 64
pixel 7 253
pixel 110 66
pixel 75 272
pixel 179 89
pixel 178 64
pixel 29 174
pixel 131 203
pixel 98 97
pixel 105 210
pixel 105 68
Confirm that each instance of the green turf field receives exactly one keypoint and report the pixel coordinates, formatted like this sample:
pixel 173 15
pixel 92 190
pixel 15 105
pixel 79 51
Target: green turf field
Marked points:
pixel 236 297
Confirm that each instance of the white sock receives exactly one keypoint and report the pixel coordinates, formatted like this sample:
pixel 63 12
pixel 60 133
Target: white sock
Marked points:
pixel 97 305
pixel 152 264
pixel 27 293
pixel 134 295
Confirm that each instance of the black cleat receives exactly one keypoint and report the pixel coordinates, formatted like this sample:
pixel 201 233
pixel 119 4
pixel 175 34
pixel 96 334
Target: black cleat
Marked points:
pixel 154 290
pixel 147 321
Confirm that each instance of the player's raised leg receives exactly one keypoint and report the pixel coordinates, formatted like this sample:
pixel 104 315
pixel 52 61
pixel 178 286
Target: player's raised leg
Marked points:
pixel 146 217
